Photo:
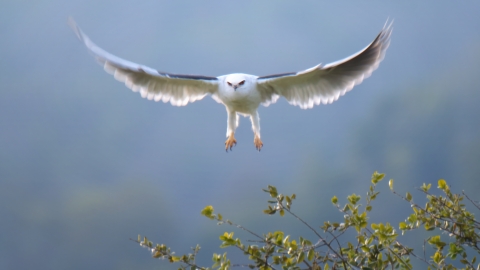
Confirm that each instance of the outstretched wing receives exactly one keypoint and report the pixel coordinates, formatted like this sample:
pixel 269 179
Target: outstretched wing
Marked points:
pixel 325 84
pixel 152 84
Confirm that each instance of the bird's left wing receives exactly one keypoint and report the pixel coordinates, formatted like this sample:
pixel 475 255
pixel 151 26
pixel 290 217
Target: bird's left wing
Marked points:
pixel 152 84
pixel 325 84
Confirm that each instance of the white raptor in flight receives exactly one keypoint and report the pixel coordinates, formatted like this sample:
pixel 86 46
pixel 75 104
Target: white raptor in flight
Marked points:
pixel 243 93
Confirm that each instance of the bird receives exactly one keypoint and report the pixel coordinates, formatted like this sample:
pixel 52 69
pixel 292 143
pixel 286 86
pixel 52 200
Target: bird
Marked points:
pixel 242 94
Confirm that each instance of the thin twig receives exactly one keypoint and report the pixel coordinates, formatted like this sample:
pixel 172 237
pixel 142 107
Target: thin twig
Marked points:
pixel 185 262
pixel 316 233
pixel 473 202
pixel 398 257
pixel 240 227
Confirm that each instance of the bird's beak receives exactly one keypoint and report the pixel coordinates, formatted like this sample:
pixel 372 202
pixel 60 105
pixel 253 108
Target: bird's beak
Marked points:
pixel 235 87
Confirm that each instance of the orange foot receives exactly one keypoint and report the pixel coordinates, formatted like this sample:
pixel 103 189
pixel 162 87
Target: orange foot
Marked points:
pixel 258 143
pixel 230 142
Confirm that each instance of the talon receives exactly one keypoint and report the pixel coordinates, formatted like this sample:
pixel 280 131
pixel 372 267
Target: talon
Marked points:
pixel 230 142
pixel 258 143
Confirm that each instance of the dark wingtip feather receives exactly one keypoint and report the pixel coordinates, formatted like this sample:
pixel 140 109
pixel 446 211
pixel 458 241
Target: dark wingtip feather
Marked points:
pixel 71 22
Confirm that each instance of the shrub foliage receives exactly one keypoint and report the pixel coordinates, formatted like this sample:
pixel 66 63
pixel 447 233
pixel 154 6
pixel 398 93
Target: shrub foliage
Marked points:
pixel 376 245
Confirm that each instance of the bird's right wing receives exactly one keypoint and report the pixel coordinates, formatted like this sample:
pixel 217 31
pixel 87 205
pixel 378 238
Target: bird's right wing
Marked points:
pixel 152 84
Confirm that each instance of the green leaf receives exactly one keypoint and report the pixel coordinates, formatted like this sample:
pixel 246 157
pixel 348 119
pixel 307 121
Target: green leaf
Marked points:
pixel 226 236
pixel 409 196
pixel 286 241
pixel 208 212
pixel 334 199
pixel 442 184
pixel 270 210
pixel 353 199
pixel 377 177
pixel 437 257
pixel 426 187
pixel 390 184
pixel 293 245
pixel 412 218
pixel 157 254
pixel 300 257
pixel 311 254
pixel 428 227
pixel 173 259
pixel 434 240
pixel 273 191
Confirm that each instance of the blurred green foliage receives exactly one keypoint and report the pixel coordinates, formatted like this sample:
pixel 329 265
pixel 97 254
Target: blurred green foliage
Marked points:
pixel 375 246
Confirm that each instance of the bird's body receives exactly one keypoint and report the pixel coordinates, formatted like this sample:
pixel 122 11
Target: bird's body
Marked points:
pixel 244 100
pixel 242 94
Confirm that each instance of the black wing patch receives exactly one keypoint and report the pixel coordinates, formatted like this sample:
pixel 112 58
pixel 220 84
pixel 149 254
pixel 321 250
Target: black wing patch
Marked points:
pixel 188 77
pixel 278 75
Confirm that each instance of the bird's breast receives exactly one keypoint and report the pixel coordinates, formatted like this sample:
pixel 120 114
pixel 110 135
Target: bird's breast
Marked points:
pixel 244 100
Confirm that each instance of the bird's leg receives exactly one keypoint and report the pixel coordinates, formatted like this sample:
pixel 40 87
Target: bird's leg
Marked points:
pixel 232 123
pixel 230 142
pixel 256 130
pixel 258 143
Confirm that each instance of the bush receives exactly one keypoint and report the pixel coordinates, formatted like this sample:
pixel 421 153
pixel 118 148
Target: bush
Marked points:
pixel 376 245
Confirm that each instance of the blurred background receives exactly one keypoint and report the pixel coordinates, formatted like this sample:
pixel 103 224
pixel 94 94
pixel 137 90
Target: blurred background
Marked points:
pixel 86 164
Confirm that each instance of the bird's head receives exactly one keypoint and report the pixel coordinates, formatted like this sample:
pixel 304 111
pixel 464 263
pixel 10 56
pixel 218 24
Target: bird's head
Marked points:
pixel 236 81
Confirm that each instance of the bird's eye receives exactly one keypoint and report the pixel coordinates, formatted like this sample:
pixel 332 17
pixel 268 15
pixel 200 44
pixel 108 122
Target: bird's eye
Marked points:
pixel 242 82
pixel 229 83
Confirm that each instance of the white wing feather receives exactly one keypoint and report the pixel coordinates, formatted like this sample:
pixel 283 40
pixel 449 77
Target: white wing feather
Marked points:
pixel 325 84
pixel 152 84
